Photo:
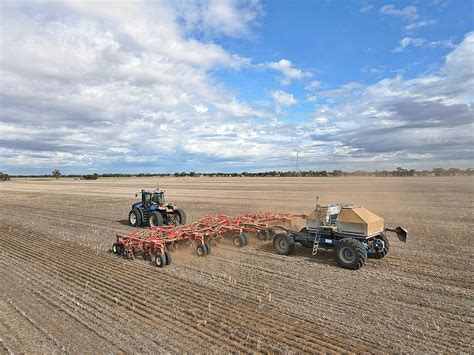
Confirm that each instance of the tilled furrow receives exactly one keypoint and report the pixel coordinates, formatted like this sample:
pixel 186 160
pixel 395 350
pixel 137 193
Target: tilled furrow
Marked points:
pixel 83 310
pixel 288 339
pixel 144 309
pixel 17 328
pixel 289 335
pixel 341 306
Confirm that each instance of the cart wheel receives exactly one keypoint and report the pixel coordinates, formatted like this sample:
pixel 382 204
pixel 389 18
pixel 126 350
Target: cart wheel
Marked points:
pixel 160 260
pixel 208 247
pixel 168 257
pixel 350 253
pixel 116 248
pixel 201 250
pixel 246 237
pixel 283 244
pixel 239 240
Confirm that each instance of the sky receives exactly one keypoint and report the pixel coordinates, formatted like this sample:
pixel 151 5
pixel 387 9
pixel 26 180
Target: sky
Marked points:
pixel 232 86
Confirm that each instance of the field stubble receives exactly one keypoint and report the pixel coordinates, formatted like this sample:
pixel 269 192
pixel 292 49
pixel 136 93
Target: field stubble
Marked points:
pixel 62 289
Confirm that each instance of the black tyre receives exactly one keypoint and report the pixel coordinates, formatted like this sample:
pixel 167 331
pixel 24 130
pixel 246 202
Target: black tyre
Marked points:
pixel 117 248
pixel 350 253
pixel 283 244
pixel 168 257
pixel 238 240
pixel 201 250
pixel 155 219
pixel 305 243
pixel 381 253
pixel 208 247
pixel 180 216
pixel 135 218
pixel 246 238
pixel 160 260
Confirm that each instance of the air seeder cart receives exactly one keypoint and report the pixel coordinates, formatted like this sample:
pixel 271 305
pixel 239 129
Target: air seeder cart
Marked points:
pixel 354 233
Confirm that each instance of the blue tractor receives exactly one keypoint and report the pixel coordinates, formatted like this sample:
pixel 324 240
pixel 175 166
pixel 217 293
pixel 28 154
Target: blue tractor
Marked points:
pixel 154 212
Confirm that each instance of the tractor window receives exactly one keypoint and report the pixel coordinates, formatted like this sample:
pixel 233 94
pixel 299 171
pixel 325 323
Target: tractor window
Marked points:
pixel 157 198
pixel 147 199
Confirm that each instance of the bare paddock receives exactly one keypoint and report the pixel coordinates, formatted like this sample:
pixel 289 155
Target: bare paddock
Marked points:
pixel 63 290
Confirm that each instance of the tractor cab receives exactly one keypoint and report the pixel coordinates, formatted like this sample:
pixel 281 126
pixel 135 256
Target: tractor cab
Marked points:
pixel 153 198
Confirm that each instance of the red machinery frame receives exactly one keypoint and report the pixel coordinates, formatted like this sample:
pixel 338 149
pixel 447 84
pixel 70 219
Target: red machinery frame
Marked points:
pixel 156 243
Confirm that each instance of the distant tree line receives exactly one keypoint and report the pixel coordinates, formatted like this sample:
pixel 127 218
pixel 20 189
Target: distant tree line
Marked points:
pixel 398 172
pixel 4 177
pixel 90 177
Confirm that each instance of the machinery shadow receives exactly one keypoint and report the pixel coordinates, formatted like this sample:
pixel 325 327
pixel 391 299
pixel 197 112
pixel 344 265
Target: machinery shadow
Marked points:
pixel 123 222
pixel 324 257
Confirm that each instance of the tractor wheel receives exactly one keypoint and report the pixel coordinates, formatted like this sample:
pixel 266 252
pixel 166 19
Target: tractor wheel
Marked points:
pixel 180 216
pixel 116 248
pixel 208 247
pixel 160 260
pixel 239 240
pixel 350 253
pixel 201 250
pixel 386 248
pixel 168 257
pixel 135 218
pixel 155 219
pixel 283 244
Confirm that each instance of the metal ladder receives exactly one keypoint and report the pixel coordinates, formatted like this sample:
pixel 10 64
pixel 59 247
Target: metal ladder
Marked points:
pixel 316 243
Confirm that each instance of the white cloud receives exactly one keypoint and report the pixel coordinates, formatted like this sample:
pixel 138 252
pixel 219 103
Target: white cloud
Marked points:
pixel 409 41
pixel 282 98
pixel 406 42
pixel 314 84
pixel 321 115
pixel 93 86
pixel 419 24
pixel 444 43
pixel 311 98
pixel 345 90
pixel 201 108
pixel 214 17
pixel 89 84
pixel 398 120
pixel 366 8
pixel 407 13
pixel 288 71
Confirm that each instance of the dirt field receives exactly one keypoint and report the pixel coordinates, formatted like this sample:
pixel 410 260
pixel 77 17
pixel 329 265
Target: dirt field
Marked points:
pixel 62 290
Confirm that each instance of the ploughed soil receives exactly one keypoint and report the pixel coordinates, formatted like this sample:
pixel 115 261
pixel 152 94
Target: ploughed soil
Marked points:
pixel 62 290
